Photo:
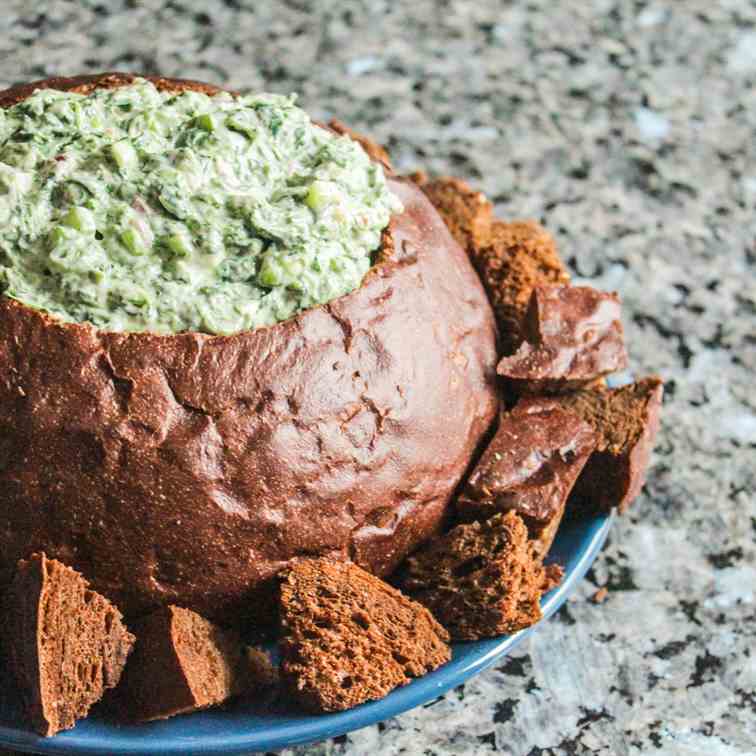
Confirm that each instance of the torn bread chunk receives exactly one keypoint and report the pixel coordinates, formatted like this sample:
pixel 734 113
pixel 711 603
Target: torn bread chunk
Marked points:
pixel 348 637
pixel 481 579
pixel 530 467
pixel 182 662
pixel 626 420
pixel 572 336
pixel 65 644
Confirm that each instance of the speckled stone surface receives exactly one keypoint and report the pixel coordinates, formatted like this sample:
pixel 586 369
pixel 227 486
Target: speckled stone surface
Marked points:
pixel 629 129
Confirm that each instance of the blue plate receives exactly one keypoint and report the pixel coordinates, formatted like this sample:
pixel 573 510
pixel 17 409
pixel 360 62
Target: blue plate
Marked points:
pixel 242 729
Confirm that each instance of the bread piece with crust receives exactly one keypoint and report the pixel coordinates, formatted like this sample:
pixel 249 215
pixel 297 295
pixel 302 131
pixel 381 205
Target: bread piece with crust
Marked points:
pixel 530 467
pixel 480 579
pixel 348 637
pixel 572 336
pixel 65 644
pixel 626 420
pixel 520 256
pixel 181 663
pixel 511 258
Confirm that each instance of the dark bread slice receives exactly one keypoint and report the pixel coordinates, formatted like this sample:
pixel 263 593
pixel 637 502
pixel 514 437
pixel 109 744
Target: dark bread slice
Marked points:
pixel 348 637
pixel 530 467
pixel 480 579
pixel 572 336
pixel 182 662
pixel 372 148
pixel 65 644
pixel 466 212
pixel 626 420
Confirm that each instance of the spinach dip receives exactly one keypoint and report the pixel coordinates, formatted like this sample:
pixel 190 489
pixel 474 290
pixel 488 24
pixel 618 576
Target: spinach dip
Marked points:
pixel 140 210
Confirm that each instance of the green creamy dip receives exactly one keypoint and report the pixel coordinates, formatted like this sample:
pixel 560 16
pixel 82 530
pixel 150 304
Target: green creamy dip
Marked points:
pixel 140 210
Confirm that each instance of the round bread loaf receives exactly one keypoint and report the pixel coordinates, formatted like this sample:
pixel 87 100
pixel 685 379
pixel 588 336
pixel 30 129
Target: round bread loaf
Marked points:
pixel 189 468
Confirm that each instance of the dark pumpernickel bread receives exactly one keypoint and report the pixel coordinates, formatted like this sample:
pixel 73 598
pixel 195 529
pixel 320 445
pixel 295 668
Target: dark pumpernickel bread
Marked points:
pixel 572 336
pixel 348 637
pixel 65 644
pixel 626 420
pixel 466 212
pixel 188 468
pixel 182 662
pixel 481 579
pixel 530 467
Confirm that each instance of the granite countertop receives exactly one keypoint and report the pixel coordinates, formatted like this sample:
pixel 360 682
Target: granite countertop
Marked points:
pixel 629 129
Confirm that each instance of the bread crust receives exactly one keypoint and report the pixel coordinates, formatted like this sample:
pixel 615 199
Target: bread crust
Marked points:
pixel 190 468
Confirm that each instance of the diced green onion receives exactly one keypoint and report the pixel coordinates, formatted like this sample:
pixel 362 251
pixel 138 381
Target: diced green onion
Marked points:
pixel 270 274
pixel 81 219
pixel 124 155
pixel 320 195
pixel 180 245
pixel 134 242
pixel 206 121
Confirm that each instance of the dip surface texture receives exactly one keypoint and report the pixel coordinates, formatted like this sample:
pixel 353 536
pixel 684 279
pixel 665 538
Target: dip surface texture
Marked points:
pixel 137 209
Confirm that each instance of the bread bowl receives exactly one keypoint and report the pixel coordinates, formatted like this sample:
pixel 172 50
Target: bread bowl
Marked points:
pixel 189 468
